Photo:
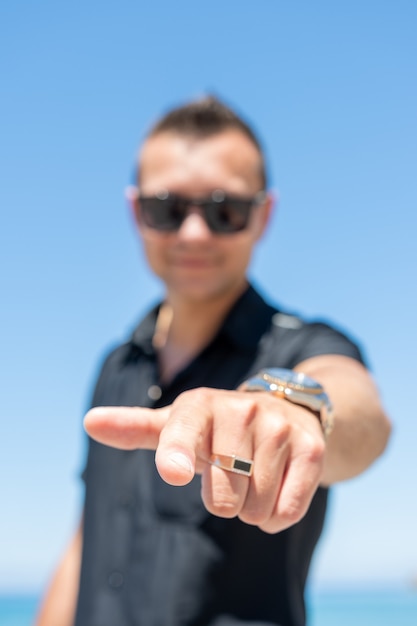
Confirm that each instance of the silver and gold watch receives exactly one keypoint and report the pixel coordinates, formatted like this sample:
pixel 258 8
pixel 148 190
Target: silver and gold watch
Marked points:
pixel 295 387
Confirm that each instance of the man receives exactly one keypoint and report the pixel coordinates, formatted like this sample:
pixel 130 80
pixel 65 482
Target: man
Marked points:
pixel 222 530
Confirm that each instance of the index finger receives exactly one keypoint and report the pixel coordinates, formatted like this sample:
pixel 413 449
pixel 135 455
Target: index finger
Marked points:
pixel 127 428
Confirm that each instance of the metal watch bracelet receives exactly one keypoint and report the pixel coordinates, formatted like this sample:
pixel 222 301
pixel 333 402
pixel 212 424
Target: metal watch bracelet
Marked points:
pixel 296 388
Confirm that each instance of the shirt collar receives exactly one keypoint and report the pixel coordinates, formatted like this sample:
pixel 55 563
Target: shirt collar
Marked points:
pixel 143 334
pixel 248 320
pixel 245 324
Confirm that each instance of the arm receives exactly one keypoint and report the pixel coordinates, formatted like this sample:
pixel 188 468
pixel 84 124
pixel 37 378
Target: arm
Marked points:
pixel 284 441
pixel 59 603
pixel 361 428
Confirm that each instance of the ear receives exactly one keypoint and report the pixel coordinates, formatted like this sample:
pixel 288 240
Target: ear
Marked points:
pixel 263 214
pixel 132 197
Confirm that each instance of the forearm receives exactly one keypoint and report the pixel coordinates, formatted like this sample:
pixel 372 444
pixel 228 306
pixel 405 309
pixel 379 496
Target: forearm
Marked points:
pixel 59 603
pixel 361 428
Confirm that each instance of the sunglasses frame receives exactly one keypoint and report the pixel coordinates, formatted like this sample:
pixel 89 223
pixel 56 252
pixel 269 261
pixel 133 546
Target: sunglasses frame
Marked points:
pixel 211 207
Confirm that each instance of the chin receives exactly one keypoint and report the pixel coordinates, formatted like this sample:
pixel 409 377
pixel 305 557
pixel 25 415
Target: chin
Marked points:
pixel 199 291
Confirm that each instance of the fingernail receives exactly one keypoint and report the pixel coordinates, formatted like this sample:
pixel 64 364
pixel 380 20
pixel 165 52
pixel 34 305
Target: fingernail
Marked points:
pixel 181 461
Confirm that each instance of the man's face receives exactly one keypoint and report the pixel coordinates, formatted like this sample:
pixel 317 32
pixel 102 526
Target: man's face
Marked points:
pixel 193 262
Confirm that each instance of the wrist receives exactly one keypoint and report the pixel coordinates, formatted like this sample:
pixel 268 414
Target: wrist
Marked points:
pixel 297 388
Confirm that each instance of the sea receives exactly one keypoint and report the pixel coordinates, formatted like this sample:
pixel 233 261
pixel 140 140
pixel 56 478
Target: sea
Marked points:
pixel 325 608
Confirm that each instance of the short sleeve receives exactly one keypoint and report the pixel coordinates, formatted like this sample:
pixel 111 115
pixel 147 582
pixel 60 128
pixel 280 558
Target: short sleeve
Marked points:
pixel 317 339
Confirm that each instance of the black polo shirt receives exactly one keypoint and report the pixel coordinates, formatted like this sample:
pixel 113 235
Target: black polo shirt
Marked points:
pixel 152 554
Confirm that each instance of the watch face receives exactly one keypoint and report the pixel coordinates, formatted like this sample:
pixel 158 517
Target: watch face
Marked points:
pixel 295 387
pixel 293 379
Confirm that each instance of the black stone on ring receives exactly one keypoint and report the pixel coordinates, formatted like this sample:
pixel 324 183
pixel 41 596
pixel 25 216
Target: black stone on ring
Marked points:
pixel 232 463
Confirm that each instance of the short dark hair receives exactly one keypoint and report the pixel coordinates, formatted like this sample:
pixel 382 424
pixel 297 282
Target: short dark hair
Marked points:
pixel 203 118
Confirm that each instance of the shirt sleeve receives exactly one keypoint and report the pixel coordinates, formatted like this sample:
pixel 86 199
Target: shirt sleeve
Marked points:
pixel 317 339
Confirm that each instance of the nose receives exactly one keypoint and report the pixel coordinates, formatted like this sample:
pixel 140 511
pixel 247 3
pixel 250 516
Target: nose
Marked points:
pixel 194 226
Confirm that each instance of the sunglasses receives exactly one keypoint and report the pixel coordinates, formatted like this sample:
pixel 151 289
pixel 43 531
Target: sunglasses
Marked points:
pixel 223 213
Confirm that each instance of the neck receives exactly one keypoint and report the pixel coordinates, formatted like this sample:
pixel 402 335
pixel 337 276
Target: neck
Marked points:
pixel 185 327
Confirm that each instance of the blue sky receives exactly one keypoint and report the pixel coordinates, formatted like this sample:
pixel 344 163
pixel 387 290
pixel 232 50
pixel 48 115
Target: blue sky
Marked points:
pixel 332 90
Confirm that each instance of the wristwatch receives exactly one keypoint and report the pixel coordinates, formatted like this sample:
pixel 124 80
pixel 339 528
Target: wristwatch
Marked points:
pixel 295 387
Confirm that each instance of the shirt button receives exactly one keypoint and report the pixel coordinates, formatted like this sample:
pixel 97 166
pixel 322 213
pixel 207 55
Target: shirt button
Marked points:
pixel 154 392
pixel 115 580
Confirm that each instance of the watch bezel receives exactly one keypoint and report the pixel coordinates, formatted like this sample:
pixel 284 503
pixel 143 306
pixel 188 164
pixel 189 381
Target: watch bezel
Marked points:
pixel 297 388
pixel 292 379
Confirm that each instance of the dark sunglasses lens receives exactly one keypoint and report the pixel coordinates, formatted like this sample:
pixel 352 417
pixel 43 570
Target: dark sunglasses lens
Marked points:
pixel 228 215
pixel 162 213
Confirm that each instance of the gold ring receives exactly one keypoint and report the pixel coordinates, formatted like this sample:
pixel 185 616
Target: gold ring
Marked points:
pixel 232 463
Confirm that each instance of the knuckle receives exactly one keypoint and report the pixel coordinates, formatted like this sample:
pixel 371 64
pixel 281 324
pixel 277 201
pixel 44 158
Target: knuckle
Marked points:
pixel 254 516
pixel 317 448
pixel 272 526
pixel 189 416
pixel 244 410
pixel 279 434
pixel 292 513
pixel 314 450
pixel 294 509
pixel 223 504
pixel 192 397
